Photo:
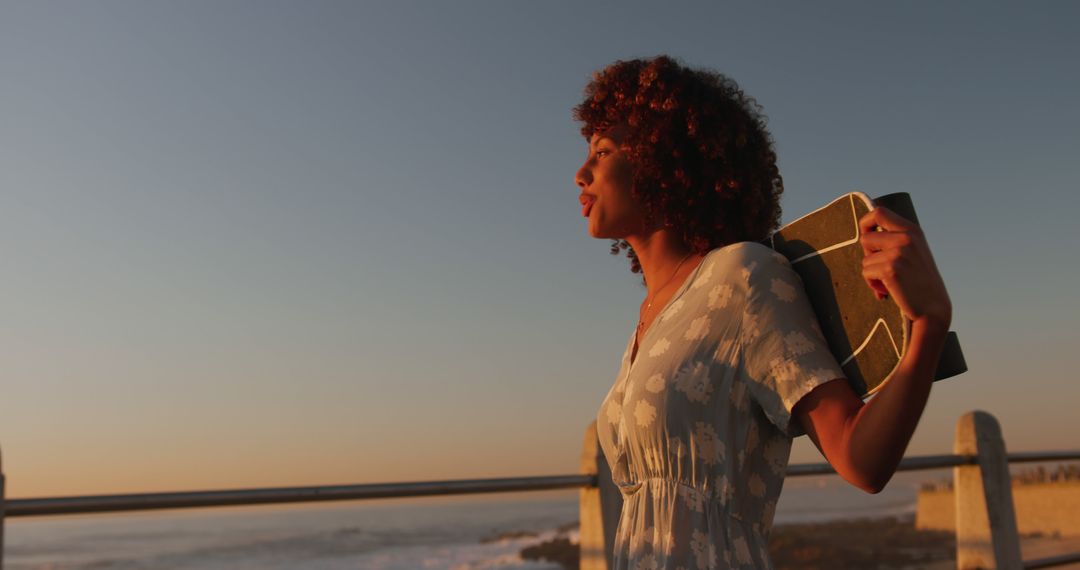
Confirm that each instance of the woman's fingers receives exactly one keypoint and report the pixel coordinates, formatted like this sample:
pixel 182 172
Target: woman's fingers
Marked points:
pixel 897 262
pixel 884 218
pixel 912 281
pixel 881 228
pixel 880 276
pixel 877 241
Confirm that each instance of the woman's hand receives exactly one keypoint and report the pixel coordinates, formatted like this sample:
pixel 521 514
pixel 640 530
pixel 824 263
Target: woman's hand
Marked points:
pixel 897 262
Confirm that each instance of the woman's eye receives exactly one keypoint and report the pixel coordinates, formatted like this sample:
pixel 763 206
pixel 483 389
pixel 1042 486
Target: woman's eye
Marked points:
pixel 600 153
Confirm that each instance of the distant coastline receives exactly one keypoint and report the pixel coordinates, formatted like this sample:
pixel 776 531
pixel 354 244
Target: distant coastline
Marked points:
pixel 1038 475
pixel 1045 502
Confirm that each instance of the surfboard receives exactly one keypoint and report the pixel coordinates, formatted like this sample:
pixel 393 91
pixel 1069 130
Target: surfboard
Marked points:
pixel 868 336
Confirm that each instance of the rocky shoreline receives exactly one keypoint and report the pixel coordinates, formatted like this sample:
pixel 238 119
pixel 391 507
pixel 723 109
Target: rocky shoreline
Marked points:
pixel 885 543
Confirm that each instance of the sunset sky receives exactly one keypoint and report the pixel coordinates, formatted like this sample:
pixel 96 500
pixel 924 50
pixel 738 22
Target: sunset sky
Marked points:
pixel 256 244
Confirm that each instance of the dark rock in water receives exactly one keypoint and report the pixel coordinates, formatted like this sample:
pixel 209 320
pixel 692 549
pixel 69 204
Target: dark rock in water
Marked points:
pixel 559 550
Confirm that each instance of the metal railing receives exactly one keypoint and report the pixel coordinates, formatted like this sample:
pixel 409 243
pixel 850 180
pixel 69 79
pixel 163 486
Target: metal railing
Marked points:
pixel 269 496
pixel 601 500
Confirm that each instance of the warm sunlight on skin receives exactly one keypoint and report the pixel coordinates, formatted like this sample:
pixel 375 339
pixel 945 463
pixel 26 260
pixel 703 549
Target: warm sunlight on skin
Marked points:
pixel 606 180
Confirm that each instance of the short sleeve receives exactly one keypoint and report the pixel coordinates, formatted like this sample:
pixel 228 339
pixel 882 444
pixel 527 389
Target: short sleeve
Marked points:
pixel 783 352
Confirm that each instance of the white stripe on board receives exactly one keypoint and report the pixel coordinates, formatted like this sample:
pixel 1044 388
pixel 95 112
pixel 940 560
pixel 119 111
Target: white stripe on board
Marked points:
pixel 879 323
pixel 851 199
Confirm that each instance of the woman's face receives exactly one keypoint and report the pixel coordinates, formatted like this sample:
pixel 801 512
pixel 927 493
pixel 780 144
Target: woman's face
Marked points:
pixel 605 181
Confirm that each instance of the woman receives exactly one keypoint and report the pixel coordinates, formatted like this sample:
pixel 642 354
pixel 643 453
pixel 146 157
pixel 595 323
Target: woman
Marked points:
pixel 727 363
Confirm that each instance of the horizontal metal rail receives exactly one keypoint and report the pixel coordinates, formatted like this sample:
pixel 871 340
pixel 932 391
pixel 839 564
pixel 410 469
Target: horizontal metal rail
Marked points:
pixel 1037 456
pixel 1052 561
pixel 924 462
pixel 149 501
pixel 906 464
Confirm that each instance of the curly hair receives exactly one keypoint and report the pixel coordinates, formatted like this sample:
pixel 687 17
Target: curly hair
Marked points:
pixel 704 163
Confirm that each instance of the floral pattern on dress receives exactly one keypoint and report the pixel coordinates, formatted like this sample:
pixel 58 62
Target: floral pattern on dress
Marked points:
pixel 697 429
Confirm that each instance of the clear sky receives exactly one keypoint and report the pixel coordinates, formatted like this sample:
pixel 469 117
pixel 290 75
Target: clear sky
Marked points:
pixel 287 243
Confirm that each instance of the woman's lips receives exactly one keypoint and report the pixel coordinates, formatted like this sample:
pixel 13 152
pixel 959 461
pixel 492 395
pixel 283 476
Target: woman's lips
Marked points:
pixel 586 205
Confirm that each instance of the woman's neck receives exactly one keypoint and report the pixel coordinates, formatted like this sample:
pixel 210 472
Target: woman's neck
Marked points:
pixel 660 254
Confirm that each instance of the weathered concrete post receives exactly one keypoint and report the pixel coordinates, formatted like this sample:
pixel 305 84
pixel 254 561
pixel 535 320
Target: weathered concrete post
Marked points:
pixel 986 535
pixel 600 506
pixel 3 509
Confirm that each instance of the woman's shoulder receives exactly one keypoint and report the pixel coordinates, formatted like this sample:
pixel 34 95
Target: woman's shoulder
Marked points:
pixel 747 255
pixel 747 266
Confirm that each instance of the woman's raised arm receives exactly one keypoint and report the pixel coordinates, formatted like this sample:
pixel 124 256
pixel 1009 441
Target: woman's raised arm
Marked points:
pixel 865 442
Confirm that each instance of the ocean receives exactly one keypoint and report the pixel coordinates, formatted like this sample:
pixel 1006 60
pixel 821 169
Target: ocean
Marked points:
pixel 470 532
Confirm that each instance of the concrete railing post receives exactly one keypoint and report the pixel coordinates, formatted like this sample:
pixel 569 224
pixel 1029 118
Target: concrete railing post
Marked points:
pixel 600 506
pixel 986 535
pixel 3 506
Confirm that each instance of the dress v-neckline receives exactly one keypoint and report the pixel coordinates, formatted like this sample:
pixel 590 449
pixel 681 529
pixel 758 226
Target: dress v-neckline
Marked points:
pixel 635 344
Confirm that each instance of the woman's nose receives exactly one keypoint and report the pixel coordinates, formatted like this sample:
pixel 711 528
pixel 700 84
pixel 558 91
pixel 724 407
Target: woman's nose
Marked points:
pixel 583 177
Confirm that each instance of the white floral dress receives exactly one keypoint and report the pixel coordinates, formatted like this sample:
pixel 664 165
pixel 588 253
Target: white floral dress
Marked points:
pixel 698 429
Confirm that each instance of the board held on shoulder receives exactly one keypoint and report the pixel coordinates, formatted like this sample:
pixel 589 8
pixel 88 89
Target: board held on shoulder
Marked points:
pixel 868 336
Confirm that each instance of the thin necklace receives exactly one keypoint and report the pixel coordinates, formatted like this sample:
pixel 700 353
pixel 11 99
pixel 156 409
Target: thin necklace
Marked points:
pixel 641 322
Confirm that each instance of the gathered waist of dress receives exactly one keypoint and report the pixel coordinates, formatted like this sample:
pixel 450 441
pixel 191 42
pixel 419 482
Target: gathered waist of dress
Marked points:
pixel 694 498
